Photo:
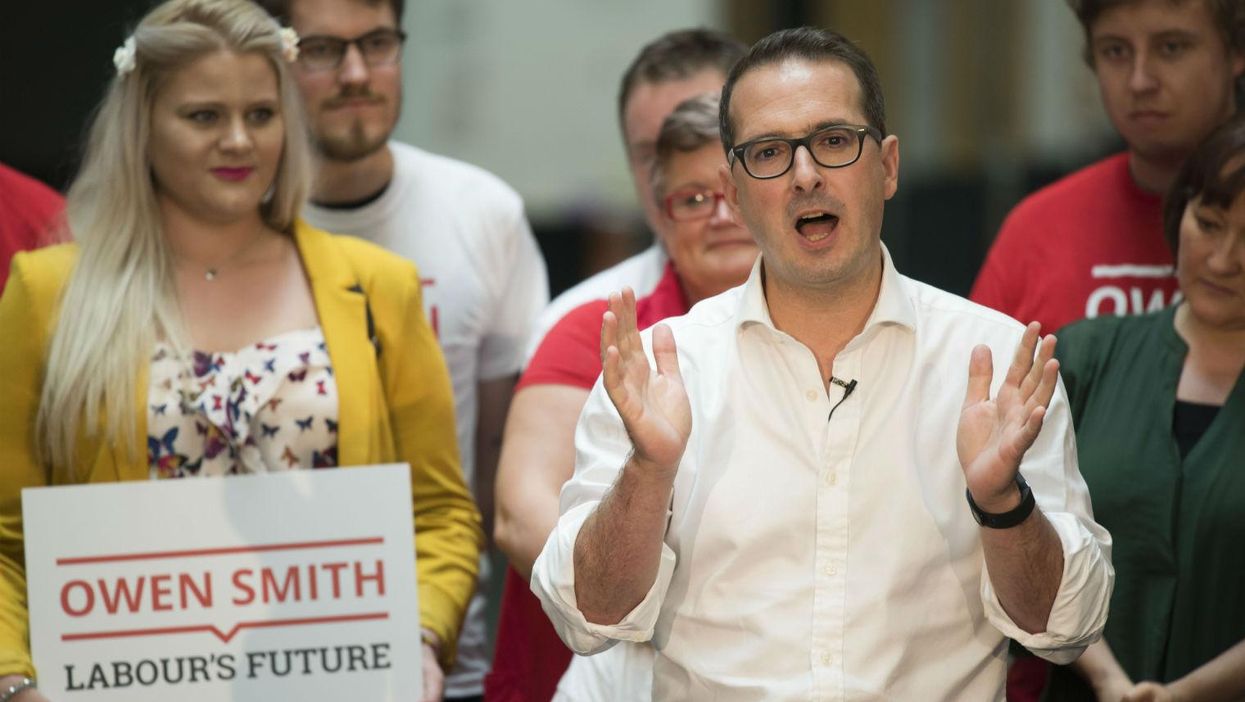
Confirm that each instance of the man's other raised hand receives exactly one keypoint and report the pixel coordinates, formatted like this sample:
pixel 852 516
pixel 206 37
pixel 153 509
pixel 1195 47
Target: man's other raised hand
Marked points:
pixel 652 402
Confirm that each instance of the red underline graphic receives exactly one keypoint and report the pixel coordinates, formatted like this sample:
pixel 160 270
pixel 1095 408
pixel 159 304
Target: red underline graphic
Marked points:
pixel 194 553
pixel 224 636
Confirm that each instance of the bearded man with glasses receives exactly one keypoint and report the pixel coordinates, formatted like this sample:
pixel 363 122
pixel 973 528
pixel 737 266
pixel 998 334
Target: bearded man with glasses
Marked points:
pixel 483 278
pixel 824 489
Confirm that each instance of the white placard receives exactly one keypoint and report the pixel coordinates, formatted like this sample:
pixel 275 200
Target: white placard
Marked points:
pixel 286 586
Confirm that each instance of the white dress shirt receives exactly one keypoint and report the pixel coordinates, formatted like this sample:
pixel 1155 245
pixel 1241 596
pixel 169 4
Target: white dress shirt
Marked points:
pixel 811 556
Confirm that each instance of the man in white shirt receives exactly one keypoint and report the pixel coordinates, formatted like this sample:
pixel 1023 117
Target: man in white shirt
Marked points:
pixel 484 281
pixel 780 506
pixel 668 70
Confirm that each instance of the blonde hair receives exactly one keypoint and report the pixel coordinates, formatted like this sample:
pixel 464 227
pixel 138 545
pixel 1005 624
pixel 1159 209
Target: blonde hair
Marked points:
pixel 121 294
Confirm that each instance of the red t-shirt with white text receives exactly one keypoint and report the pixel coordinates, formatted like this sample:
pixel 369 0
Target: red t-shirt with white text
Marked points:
pixel 1090 244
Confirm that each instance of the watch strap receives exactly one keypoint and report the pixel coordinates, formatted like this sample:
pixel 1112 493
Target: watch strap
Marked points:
pixel 1009 519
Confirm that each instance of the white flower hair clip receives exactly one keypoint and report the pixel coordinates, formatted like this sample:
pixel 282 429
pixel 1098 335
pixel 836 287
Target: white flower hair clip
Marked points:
pixel 125 57
pixel 289 44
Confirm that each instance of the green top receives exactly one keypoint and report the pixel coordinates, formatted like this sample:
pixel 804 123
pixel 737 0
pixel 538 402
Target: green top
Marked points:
pixel 1178 526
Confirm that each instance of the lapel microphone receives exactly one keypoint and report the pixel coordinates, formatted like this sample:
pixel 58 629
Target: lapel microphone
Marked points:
pixel 848 386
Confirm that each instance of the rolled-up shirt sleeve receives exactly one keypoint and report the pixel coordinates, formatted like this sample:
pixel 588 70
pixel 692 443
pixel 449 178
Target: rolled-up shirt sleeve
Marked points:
pixel 601 450
pixel 1080 608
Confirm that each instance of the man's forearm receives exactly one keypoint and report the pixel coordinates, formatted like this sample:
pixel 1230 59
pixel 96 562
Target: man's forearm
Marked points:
pixel 618 549
pixel 1025 565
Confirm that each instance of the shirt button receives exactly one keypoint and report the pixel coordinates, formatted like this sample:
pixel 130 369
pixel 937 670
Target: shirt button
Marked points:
pixel 811 395
pixel 826 659
pixel 831 478
pixel 831 570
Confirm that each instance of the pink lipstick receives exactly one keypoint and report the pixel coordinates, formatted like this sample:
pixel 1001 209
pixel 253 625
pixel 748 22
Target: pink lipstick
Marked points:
pixel 232 174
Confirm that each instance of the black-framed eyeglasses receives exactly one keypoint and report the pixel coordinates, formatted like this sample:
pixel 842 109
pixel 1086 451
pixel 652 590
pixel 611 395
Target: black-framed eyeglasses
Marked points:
pixel 833 147
pixel 379 47
pixel 687 205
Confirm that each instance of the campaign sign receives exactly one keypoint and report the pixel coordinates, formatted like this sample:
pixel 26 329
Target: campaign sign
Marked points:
pixel 286 586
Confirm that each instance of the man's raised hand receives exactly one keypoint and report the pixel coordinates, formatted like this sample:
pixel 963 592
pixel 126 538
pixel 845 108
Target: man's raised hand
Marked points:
pixel 994 434
pixel 653 403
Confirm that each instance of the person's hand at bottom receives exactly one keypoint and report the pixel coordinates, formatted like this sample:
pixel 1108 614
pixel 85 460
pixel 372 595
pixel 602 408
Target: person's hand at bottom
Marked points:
pixel 30 694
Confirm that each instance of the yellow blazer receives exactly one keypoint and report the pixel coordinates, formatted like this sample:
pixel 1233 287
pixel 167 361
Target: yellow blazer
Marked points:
pixel 395 406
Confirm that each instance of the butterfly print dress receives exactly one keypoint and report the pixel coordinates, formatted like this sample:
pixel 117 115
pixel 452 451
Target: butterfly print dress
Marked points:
pixel 270 406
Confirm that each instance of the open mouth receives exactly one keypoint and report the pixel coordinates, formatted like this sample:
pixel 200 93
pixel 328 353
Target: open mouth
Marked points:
pixel 815 226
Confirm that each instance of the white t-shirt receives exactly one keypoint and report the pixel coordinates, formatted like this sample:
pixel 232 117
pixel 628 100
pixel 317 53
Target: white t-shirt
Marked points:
pixel 641 272
pixel 484 285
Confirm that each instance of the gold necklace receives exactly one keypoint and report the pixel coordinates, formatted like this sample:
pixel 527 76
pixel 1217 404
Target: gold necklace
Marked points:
pixel 211 273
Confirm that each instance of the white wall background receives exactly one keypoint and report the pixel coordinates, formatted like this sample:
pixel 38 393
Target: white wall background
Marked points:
pixel 527 89
pixel 1063 113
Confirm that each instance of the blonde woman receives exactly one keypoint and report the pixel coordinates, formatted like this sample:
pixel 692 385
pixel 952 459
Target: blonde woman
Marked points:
pixel 196 327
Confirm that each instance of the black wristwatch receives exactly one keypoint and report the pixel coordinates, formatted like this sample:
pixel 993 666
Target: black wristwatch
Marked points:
pixel 1009 519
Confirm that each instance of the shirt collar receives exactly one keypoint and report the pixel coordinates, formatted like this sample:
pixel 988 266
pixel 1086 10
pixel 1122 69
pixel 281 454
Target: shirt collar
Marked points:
pixel 893 305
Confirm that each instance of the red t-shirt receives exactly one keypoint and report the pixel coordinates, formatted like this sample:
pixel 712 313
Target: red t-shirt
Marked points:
pixel 529 658
pixel 29 210
pixel 1089 244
